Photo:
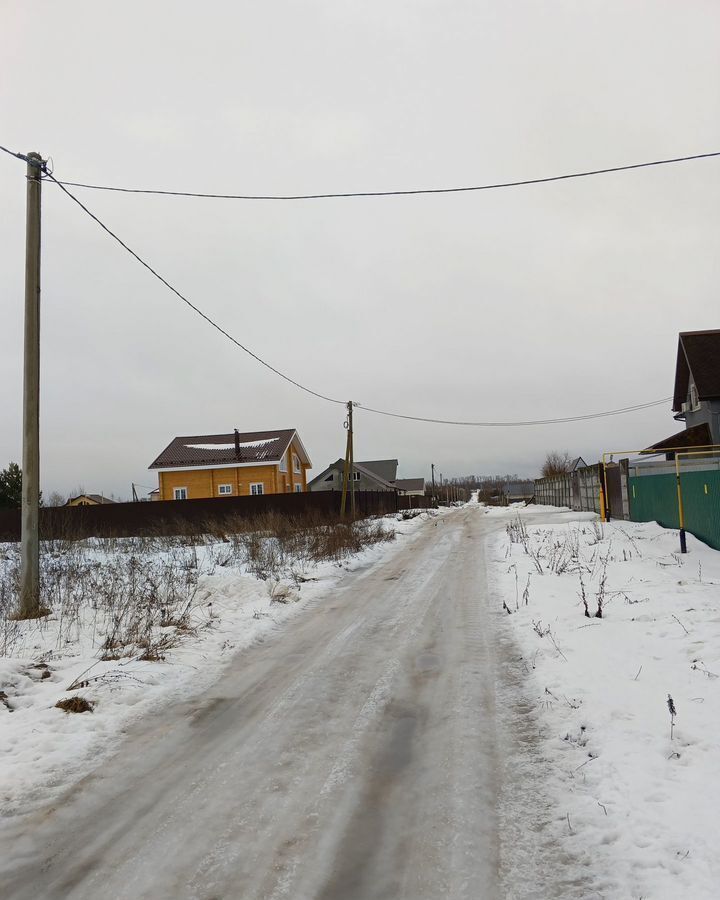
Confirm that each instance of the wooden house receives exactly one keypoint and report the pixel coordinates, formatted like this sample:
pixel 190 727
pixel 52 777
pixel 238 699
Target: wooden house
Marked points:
pixel 232 465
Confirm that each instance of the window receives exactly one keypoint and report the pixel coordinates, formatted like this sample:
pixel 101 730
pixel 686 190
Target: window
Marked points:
pixel 180 493
pixel 283 463
pixel 331 477
pixel 257 488
pixel 224 489
pixel 298 489
pixel 296 464
pixel 356 476
pixel 694 399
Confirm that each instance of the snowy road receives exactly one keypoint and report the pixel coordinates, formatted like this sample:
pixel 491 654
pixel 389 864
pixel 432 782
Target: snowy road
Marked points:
pixel 354 754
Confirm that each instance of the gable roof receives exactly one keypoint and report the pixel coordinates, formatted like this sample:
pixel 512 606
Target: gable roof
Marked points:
pixel 96 498
pixel 257 447
pixel 358 467
pixel 410 484
pixel 698 355
pixel 385 468
pixel 696 436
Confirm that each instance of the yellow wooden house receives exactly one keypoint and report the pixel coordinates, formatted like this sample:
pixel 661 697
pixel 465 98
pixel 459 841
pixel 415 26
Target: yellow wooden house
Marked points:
pixel 232 465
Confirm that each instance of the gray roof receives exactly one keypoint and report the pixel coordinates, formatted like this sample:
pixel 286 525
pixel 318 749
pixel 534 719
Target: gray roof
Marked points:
pixel 410 484
pixel 219 449
pixel 358 467
pixel 385 468
pixel 96 498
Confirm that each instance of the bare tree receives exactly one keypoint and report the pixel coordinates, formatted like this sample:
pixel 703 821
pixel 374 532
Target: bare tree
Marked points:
pixel 556 463
pixel 56 499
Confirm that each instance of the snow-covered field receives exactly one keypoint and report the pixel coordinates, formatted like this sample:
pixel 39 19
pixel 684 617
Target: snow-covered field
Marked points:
pixel 205 602
pixel 636 789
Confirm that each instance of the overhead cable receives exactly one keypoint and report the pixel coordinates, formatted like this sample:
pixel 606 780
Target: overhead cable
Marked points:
pixel 321 396
pixel 393 193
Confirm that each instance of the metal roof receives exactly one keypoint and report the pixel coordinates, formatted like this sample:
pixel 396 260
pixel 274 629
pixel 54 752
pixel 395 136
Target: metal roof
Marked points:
pixel 220 449
pixel 699 356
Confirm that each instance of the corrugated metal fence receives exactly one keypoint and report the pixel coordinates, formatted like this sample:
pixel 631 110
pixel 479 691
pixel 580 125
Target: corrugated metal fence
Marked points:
pixel 191 517
pixel 653 495
pixel 645 492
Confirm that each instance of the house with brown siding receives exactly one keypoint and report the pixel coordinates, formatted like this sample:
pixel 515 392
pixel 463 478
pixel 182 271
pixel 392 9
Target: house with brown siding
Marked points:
pixel 232 465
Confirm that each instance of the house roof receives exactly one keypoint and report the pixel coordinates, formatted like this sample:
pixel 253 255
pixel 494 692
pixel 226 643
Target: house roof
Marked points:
pixel 577 463
pixel 197 450
pixel 358 467
pixel 385 468
pixel 698 355
pixel 96 498
pixel 410 484
pixel 696 436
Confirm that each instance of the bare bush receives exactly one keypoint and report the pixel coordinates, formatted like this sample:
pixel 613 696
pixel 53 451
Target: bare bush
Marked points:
pixel 557 463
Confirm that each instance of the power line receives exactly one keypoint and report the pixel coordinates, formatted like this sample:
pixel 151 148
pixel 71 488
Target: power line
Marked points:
pixel 556 421
pixel 394 193
pixel 302 387
pixel 188 302
pixel 297 384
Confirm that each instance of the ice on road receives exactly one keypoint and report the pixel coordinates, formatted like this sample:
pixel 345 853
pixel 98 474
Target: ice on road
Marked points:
pixel 357 753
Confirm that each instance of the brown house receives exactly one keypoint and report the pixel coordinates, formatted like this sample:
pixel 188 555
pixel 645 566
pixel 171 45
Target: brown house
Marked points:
pixel 232 465
pixel 88 500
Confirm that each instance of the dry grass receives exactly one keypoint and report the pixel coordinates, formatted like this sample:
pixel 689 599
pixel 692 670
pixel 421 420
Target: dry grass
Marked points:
pixel 136 596
pixel 75 705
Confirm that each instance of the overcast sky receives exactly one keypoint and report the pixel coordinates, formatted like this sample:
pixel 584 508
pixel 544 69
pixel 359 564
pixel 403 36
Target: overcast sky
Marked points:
pixel 533 302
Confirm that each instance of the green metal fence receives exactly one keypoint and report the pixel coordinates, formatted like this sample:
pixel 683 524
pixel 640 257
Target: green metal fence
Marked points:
pixel 653 498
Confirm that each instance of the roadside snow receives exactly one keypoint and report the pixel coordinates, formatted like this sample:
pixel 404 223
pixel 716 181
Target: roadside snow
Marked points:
pixel 44 749
pixel 635 805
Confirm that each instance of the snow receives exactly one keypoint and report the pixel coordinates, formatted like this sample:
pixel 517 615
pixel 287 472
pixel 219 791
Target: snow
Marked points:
pixel 45 749
pixel 635 806
pixel 231 446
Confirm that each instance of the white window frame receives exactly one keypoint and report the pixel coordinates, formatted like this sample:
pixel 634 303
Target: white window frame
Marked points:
pixel 225 493
pixel 283 462
pixel 253 488
pixel 298 488
pixel 180 493
pixel 356 476
pixel 296 464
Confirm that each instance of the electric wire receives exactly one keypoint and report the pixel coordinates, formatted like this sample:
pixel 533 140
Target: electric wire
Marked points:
pixel 237 343
pixel 189 303
pixel 332 399
pixel 393 193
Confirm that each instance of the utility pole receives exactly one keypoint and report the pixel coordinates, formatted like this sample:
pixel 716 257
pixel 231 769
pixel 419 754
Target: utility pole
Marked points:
pixel 348 473
pixel 432 475
pixel 30 536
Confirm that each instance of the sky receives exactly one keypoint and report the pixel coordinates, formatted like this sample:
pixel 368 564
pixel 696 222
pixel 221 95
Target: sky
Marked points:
pixel 535 302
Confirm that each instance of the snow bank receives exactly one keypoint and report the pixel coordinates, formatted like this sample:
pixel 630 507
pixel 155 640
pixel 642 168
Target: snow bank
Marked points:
pixel 44 749
pixel 635 805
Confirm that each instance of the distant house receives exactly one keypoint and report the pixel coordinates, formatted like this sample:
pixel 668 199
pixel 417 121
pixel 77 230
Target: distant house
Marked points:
pixel 232 465
pixel 370 475
pixel 413 487
pixel 696 398
pixel 577 463
pixel 89 500
pixel 376 475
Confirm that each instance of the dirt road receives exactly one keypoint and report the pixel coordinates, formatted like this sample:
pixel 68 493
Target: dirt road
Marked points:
pixel 352 755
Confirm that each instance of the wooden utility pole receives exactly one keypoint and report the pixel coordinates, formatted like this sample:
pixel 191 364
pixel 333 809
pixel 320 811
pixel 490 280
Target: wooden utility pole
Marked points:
pixel 348 473
pixel 432 476
pixel 30 537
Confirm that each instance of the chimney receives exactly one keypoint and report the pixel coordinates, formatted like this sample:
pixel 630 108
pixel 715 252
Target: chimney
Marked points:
pixel 237 444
